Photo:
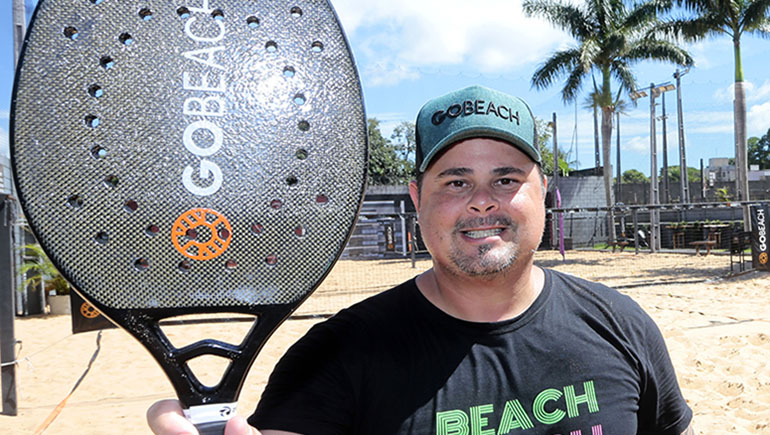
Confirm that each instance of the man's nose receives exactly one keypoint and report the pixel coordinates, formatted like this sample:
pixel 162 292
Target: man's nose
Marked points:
pixel 482 202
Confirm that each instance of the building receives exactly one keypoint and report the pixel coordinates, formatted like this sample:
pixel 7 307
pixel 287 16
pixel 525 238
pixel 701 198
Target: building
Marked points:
pixel 720 170
pixel 756 174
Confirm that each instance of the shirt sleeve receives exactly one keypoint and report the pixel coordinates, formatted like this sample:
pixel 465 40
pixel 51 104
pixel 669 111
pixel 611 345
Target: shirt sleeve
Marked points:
pixel 662 408
pixel 309 391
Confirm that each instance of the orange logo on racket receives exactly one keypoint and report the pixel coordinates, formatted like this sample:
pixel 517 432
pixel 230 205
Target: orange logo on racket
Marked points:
pixel 88 311
pixel 201 234
pixel 763 258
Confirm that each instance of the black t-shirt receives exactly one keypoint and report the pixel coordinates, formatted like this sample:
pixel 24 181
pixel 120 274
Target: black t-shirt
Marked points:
pixel 583 359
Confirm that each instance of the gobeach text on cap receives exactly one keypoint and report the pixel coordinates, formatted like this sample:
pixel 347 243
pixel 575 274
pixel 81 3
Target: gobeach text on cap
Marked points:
pixel 471 112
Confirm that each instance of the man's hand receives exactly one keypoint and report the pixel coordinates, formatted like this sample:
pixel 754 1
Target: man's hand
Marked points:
pixel 166 418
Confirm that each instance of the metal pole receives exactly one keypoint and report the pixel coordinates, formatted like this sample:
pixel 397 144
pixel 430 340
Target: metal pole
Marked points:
pixel 663 117
pixel 702 182
pixel 618 180
pixel 7 255
pixel 19 28
pixel 636 231
pixel 597 163
pixel 414 240
pixel 7 310
pixel 555 154
pixel 684 182
pixel 653 173
pixel 554 220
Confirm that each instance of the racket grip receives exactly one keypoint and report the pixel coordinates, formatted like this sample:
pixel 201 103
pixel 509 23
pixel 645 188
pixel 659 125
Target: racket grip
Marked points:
pixel 211 428
pixel 210 419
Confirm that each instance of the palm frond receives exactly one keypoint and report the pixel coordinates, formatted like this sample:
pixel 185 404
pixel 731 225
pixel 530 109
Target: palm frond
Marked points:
pixel 556 65
pixel 590 52
pixel 41 268
pixel 645 13
pixel 573 84
pixel 567 17
pixel 754 17
pixel 655 49
pixel 763 30
pixel 616 42
pixel 693 30
pixel 623 74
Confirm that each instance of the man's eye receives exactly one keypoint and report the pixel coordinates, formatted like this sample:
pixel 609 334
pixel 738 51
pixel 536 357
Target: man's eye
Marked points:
pixel 506 181
pixel 456 183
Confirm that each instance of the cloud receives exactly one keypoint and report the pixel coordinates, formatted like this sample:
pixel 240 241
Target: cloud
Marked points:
pixel 637 144
pixel 710 54
pixel 761 93
pixel 387 73
pixel 758 120
pixel 725 95
pixel 753 93
pixel 708 122
pixel 398 39
pixel 641 145
pixel 4 115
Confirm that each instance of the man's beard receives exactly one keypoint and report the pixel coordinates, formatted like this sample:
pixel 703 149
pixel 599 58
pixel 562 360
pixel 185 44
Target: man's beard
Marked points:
pixel 486 262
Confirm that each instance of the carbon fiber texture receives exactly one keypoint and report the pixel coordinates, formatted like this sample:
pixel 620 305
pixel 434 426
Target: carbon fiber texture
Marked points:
pixel 259 101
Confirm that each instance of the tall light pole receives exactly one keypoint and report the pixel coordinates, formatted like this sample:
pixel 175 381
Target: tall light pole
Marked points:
pixel 555 220
pixel 555 153
pixel 654 198
pixel 684 182
pixel 10 258
pixel 663 118
pixel 655 91
pixel 19 28
pixel 618 180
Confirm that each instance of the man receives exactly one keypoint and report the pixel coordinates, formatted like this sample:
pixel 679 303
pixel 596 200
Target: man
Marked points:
pixel 484 342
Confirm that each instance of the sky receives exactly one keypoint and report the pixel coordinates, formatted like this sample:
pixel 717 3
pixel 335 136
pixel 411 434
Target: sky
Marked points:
pixel 408 52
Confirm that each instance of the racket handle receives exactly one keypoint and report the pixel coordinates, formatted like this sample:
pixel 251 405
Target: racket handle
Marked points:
pixel 210 419
pixel 211 428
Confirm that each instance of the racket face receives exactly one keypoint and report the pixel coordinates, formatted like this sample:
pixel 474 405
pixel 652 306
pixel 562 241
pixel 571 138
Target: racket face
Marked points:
pixel 190 155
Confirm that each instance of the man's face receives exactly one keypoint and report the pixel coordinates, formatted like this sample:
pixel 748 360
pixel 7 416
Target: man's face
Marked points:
pixel 480 207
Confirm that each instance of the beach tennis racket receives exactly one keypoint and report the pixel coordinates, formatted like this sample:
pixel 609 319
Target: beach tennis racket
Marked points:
pixel 176 157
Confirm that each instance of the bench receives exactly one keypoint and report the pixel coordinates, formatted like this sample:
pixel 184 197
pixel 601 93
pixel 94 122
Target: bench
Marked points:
pixel 701 243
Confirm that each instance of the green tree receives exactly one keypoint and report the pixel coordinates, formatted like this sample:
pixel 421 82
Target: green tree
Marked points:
pixel 544 134
pixel 759 151
pixel 386 165
pixel 732 18
pixel 609 38
pixel 404 142
pixel 693 175
pixel 634 176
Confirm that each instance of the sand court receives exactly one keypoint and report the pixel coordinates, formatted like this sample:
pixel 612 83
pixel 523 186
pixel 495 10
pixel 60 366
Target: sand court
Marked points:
pixel 717 330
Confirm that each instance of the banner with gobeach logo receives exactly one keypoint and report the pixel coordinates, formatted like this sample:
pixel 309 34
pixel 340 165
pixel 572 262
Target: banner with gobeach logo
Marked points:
pixel 759 247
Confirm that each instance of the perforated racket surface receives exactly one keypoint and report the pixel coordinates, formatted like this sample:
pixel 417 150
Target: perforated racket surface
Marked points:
pixel 190 156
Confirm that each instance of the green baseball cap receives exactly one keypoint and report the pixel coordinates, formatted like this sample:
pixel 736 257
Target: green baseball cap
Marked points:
pixel 475 111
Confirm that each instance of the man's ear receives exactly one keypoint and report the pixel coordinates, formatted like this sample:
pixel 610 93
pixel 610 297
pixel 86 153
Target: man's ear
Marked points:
pixel 414 193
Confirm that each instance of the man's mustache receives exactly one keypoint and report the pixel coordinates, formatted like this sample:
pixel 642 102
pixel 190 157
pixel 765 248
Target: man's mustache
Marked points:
pixel 486 221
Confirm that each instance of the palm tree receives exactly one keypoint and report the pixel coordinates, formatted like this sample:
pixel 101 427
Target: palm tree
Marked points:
pixel 42 270
pixel 609 38
pixel 732 18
